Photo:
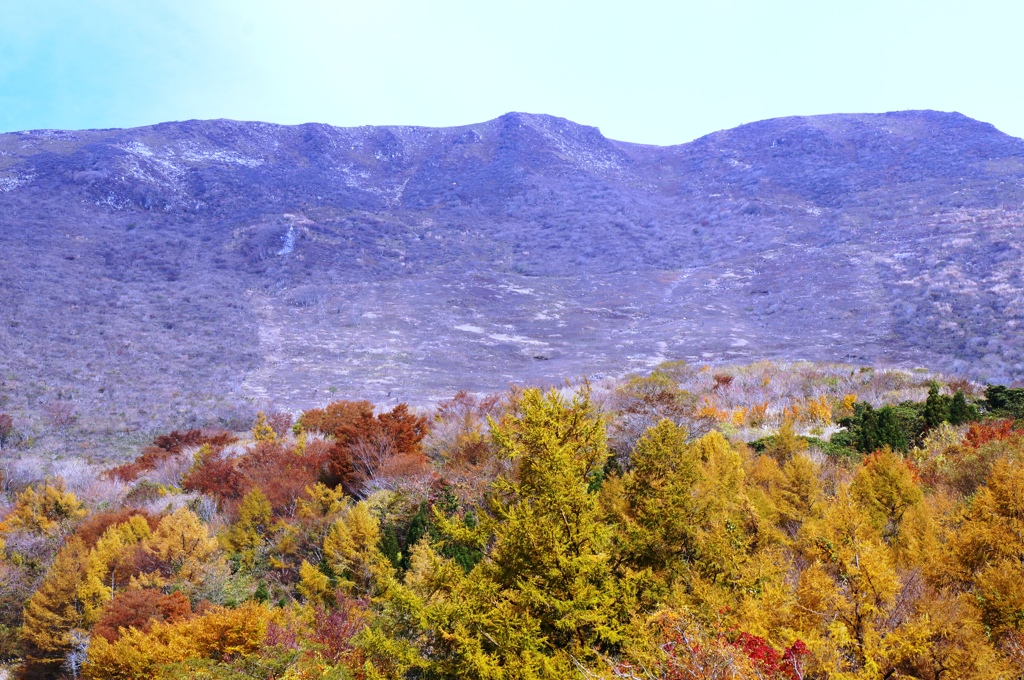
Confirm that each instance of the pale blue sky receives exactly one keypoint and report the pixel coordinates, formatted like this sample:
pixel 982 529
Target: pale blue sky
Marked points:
pixel 654 72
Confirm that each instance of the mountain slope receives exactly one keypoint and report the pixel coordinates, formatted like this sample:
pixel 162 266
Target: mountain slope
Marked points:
pixel 197 268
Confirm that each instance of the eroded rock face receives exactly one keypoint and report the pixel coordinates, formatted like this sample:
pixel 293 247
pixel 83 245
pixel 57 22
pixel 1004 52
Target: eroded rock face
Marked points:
pixel 175 271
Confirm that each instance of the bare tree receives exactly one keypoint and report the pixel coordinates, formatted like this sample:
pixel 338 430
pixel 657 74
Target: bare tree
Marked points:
pixel 78 654
pixel 370 454
pixel 60 414
pixel 6 430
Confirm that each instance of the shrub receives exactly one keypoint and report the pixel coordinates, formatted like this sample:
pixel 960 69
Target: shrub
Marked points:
pixel 219 635
pixel 280 422
pixel 216 475
pixel 90 530
pixel 139 608
pixel 384 448
pixel 167 446
pixel 6 430
pixel 979 434
pixel 280 472
pixel 48 510
pixel 333 629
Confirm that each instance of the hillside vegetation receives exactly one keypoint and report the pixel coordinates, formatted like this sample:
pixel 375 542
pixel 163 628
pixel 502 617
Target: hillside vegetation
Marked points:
pixel 227 265
pixel 760 521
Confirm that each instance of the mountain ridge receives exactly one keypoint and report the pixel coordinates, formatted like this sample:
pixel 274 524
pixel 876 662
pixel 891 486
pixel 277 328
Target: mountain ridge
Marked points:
pixel 225 264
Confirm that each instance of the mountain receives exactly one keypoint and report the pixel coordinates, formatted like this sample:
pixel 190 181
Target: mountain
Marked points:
pixel 200 268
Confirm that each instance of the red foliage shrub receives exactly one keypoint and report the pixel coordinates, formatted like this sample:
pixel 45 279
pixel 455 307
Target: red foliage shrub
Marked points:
pixel 979 434
pixel 382 448
pixel 281 636
pixel 334 629
pixel 166 446
pixel 340 419
pixel 759 651
pixel 406 429
pixel 140 561
pixel 175 441
pixel 138 608
pixel 274 468
pixel 787 665
pixel 280 473
pixel 464 406
pixel 151 456
pixel 280 422
pixel 6 429
pixel 93 527
pixel 792 666
pixel 215 475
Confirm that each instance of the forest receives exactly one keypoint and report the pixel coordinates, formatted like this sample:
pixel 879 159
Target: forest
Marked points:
pixel 764 521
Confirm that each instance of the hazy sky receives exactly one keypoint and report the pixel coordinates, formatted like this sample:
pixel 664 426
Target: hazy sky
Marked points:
pixel 655 72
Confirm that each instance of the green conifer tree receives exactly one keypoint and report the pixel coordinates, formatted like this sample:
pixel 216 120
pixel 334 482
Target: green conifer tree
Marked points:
pixel 936 407
pixel 959 410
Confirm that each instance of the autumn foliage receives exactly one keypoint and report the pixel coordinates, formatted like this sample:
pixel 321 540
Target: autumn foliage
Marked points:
pixel 167 446
pixel 6 429
pixel 686 524
pixel 277 469
pixel 140 608
pixel 979 434
pixel 370 449
pixel 93 527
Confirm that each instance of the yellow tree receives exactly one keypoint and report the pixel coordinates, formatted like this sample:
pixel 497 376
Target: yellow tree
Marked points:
pixel 885 486
pixel 798 495
pixel 545 593
pixel 987 548
pixel 350 549
pixel 856 606
pixel 248 534
pixel 182 541
pixel 547 540
pixel 49 510
pixel 54 612
pixel 662 515
pixel 945 638
pixel 314 586
pixel 868 610
pixel 261 429
pixel 682 511
pixel 316 512
pixel 97 587
pixel 786 442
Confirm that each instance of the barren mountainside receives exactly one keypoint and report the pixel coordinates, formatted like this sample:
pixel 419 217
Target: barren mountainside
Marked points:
pixel 182 273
